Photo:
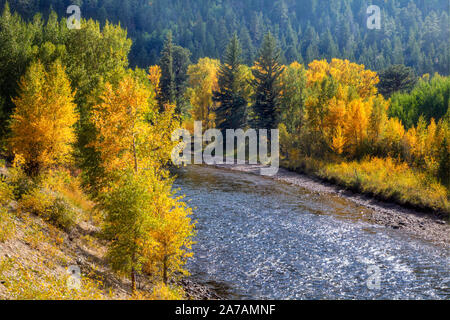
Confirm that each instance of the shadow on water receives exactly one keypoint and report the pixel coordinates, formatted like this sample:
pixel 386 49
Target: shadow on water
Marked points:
pixel 259 238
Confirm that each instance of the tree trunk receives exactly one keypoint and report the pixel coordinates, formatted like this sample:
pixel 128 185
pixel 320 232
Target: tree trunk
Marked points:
pixel 165 270
pixel 133 281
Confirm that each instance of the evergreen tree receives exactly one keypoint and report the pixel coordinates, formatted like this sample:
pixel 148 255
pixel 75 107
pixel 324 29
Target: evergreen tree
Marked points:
pixel 168 86
pixel 231 113
pixel 396 78
pixel 181 62
pixel 267 70
pixel 174 63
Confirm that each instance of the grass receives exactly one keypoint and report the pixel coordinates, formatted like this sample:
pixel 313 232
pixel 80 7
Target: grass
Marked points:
pixel 385 179
pixel 7 226
pixel 24 283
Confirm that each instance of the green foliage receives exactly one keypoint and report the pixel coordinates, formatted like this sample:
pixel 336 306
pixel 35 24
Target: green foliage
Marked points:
pixel 430 98
pixel 293 84
pixel 19 182
pixel 48 199
pixel 6 193
pixel 396 78
pixel 414 33
pixel 267 71
pixel 52 207
pixel 128 222
pixel 174 64
pixel 232 110
pixel 92 56
pixel 167 82
pixel 16 52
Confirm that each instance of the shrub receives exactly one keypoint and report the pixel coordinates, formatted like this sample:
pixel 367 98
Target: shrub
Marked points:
pixel 165 292
pixel 391 180
pixel 50 206
pixel 6 194
pixel 19 182
pixel 23 283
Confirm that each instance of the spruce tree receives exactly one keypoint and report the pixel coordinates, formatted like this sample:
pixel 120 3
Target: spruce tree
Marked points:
pixel 174 63
pixel 267 70
pixel 231 113
pixel 396 78
pixel 168 86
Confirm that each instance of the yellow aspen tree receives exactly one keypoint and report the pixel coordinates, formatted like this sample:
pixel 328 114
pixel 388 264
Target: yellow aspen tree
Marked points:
pixel 356 125
pixel 393 136
pixel 171 238
pixel 42 125
pixel 202 82
pixel 132 134
pixel 342 106
pixel 338 142
pixel 154 75
pixel 134 143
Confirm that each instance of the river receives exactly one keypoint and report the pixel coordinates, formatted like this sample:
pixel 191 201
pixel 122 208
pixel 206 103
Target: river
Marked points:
pixel 262 239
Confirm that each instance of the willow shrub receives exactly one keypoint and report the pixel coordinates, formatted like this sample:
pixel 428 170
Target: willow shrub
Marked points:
pixel 390 180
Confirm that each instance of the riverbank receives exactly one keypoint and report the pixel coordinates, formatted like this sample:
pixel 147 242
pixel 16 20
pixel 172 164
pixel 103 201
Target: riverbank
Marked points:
pixel 35 256
pixel 48 252
pixel 422 224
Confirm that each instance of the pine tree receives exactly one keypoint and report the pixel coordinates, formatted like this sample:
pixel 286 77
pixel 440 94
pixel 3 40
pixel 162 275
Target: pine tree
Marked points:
pixel 181 62
pixel 396 78
pixel 168 86
pixel 266 71
pixel 231 113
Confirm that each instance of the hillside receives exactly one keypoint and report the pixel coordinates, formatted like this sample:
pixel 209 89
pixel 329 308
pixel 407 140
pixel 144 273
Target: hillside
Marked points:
pixel 36 256
pixel 414 33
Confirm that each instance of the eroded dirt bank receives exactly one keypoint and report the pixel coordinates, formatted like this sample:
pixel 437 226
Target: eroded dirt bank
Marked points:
pixel 424 225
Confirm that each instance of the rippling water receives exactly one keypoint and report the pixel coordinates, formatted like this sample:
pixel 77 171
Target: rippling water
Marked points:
pixel 262 239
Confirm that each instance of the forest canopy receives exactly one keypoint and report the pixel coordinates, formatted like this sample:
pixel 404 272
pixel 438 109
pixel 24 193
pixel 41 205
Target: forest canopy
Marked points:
pixel 413 33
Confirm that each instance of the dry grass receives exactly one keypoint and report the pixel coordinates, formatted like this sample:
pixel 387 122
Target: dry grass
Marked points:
pixel 384 178
pixel 390 180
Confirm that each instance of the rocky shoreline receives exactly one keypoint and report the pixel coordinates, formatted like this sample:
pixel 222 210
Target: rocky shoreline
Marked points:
pixel 195 290
pixel 424 225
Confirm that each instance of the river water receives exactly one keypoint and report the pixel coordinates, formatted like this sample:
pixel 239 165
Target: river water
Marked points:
pixel 262 239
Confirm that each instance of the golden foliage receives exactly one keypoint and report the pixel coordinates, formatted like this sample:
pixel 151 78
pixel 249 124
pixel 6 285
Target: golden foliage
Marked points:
pixel 163 292
pixel 391 180
pixel 24 283
pixel 42 123
pixel 171 238
pixel 7 225
pixel 202 82
pixel 132 134
pixel 154 75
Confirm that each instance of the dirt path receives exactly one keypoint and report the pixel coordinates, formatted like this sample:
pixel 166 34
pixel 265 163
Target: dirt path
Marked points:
pixel 424 225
